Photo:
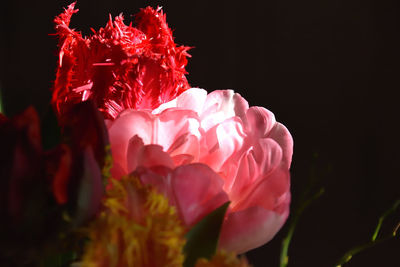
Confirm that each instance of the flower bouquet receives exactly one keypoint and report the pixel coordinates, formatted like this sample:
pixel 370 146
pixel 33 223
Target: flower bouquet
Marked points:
pixel 131 166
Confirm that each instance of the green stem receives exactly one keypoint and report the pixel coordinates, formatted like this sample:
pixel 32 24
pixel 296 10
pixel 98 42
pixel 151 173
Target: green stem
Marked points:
pixel 374 239
pixel 284 258
pixel 354 251
pixel 383 217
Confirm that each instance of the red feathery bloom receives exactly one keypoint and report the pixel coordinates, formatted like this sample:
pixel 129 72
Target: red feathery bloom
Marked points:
pixel 119 66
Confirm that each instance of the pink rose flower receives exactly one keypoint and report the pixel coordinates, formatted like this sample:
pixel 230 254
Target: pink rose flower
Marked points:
pixel 201 150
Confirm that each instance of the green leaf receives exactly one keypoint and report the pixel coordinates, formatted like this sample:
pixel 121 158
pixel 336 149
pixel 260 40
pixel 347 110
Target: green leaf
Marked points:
pixel 51 131
pixel 202 239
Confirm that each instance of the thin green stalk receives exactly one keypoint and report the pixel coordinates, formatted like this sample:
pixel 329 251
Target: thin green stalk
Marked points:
pixel 284 258
pixel 383 217
pixel 374 239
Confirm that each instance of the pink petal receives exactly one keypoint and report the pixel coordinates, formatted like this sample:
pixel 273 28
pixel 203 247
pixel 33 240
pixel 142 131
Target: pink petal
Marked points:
pixel 182 159
pixel 223 140
pixel 146 155
pixel 192 99
pixel 127 125
pixel 270 192
pixel 162 107
pixel 257 162
pixel 282 136
pixel 197 190
pixel 246 172
pixel 260 121
pixel 250 228
pixel 186 146
pixel 220 100
pixel 241 107
pixel 135 145
pixel 268 155
pixel 173 123
pixel 152 129
pixel 221 105
pixel 153 155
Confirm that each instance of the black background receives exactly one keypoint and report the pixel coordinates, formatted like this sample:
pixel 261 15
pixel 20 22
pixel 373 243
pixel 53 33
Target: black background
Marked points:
pixel 329 70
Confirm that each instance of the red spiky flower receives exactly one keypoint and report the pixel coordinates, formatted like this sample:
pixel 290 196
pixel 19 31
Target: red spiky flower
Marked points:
pixel 119 66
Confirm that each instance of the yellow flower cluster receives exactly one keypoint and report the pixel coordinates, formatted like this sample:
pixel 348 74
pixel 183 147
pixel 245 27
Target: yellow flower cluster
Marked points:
pixel 137 228
pixel 223 259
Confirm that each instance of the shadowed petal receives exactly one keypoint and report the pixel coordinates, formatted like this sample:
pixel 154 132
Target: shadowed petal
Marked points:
pixel 250 228
pixel 207 196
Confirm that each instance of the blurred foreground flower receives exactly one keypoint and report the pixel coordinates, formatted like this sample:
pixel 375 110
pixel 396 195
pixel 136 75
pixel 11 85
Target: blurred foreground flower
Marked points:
pixel 119 66
pixel 139 228
pixel 48 189
pixel 223 259
pixel 24 187
pixel 241 153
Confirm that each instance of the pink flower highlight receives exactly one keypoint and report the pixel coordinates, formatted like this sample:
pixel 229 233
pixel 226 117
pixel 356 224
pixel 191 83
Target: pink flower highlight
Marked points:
pixel 204 149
